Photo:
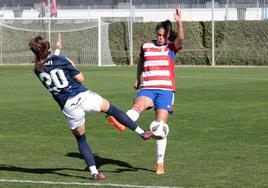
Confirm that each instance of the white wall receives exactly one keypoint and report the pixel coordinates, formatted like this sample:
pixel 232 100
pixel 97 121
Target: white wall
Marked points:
pixel 187 14
pixel 156 15
pixel 6 14
pixel 30 13
pixel 253 14
pixel 147 15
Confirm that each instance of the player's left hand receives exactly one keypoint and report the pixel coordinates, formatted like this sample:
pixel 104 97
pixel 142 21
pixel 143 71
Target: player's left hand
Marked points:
pixel 59 43
pixel 177 15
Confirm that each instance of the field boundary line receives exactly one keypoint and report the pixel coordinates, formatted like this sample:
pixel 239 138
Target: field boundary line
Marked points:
pixel 81 184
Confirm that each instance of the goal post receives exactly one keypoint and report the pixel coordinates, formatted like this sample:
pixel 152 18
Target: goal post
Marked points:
pixel 85 41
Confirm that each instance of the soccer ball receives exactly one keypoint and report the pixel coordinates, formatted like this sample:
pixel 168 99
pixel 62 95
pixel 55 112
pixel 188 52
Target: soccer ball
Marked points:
pixel 159 129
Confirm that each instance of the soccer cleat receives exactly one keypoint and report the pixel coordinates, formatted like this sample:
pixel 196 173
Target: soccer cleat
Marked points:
pixel 147 135
pixel 99 176
pixel 112 121
pixel 160 168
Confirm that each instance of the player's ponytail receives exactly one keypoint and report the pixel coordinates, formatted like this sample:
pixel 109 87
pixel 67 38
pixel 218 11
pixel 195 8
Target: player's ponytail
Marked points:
pixel 41 49
pixel 167 26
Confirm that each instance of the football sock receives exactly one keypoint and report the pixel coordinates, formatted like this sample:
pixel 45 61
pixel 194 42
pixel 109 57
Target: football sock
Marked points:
pixel 133 114
pixel 161 149
pixel 93 170
pixel 139 130
pixel 121 117
pixel 86 153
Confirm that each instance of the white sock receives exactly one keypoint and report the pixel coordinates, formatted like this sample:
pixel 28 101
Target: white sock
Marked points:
pixel 161 149
pixel 93 170
pixel 139 130
pixel 133 114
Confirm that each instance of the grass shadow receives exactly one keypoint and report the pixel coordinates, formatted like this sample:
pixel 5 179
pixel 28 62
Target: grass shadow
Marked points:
pixel 100 161
pixel 55 171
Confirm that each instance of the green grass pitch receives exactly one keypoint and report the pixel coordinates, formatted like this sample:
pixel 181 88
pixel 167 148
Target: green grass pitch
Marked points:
pixel 218 132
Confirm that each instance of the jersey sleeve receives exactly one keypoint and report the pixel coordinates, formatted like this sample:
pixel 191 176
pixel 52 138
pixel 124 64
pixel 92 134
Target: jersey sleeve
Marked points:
pixel 172 47
pixel 71 68
pixel 57 52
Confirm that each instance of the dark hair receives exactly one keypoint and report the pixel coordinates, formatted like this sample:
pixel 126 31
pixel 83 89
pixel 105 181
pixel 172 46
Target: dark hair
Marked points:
pixel 40 47
pixel 167 26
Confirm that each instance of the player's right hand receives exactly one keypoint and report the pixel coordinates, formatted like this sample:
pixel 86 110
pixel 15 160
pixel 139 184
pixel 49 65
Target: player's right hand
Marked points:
pixel 136 87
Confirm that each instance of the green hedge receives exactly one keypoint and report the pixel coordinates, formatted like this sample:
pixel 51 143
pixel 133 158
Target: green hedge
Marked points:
pixel 237 43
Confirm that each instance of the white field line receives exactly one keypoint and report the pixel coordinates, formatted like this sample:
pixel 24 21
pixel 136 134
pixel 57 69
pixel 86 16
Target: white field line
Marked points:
pixel 81 184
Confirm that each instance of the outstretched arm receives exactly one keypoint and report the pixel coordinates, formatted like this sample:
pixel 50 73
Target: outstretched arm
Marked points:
pixel 59 45
pixel 180 37
pixel 79 77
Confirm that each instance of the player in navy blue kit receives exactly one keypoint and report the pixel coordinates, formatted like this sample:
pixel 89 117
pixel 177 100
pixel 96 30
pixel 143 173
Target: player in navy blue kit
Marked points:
pixel 61 77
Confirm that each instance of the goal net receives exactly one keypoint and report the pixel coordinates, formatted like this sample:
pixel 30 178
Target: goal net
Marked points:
pixel 85 41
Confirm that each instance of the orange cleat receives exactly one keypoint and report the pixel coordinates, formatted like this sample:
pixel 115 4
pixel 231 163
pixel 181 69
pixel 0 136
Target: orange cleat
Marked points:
pixel 112 121
pixel 160 168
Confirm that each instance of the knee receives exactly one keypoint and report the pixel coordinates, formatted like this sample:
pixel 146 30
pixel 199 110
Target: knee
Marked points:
pixel 79 131
pixel 105 105
pixel 143 103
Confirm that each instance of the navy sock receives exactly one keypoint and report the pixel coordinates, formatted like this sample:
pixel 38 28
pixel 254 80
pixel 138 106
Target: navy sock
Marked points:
pixel 122 117
pixel 84 150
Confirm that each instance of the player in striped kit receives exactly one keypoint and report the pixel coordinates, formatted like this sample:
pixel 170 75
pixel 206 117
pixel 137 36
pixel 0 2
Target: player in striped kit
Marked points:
pixel 156 78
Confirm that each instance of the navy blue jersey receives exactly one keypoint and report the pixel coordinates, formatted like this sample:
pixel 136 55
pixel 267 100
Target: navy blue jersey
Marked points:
pixel 57 75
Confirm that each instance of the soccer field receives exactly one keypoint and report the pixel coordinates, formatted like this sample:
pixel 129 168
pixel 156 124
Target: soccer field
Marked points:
pixel 218 132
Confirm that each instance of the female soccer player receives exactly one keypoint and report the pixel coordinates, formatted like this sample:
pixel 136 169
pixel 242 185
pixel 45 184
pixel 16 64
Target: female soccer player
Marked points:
pixel 61 77
pixel 156 78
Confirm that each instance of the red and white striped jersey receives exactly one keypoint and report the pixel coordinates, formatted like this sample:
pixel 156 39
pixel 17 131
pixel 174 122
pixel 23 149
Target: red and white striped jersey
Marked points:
pixel 158 66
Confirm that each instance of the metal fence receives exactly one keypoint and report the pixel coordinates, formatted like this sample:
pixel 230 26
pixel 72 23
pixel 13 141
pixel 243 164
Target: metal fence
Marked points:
pixel 77 3
pixel 258 10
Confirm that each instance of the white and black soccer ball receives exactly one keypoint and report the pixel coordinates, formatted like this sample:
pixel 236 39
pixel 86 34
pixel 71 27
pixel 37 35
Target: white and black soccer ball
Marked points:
pixel 159 129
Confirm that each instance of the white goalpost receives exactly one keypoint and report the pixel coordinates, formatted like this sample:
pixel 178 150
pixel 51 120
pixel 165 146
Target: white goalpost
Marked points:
pixel 85 41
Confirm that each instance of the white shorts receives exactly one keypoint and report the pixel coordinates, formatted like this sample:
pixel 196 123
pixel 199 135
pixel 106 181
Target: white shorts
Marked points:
pixel 75 108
